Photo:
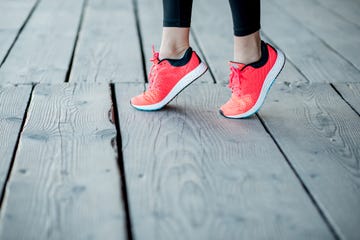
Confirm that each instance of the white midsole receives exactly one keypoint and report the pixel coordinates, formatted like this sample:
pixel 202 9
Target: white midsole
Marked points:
pixel 185 81
pixel 270 78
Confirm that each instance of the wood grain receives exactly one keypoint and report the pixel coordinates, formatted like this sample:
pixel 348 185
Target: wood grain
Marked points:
pixel 193 174
pixel 212 24
pixel 351 93
pixel 108 49
pixel 309 53
pixel 304 135
pixel 348 9
pixel 12 17
pixel 43 51
pixel 13 102
pixel 65 182
pixel 342 36
pixel 320 135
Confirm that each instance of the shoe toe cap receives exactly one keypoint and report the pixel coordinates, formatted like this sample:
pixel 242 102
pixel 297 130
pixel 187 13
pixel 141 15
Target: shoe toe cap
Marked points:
pixel 139 100
pixel 236 106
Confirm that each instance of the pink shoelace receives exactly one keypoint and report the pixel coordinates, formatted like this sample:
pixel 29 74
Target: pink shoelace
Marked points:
pixel 153 69
pixel 235 80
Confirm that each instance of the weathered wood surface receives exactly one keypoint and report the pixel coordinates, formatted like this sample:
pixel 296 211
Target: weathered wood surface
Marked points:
pixel 347 9
pixel 339 34
pixel 316 60
pixel 351 93
pixel 198 175
pixel 13 16
pixel 191 173
pixel 215 35
pixel 319 134
pixel 320 123
pixel 13 102
pixel 43 51
pixel 65 182
pixel 108 49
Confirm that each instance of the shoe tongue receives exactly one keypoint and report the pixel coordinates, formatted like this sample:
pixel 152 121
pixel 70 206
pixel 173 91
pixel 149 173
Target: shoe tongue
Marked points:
pixel 237 65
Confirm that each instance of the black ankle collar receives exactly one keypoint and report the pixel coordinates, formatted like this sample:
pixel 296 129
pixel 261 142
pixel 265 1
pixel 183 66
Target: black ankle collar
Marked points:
pixel 180 62
pixel 264 57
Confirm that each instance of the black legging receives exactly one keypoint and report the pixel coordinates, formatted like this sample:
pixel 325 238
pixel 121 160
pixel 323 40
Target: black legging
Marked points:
pixel 245 15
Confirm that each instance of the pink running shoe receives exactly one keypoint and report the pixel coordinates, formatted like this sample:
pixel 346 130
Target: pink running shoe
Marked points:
pixel 167 78
pixel 250 83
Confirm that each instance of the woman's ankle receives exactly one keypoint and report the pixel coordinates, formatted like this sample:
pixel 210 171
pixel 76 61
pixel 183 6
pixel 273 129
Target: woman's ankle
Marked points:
pixel 247 49
pixel 174 42
pixel 173 52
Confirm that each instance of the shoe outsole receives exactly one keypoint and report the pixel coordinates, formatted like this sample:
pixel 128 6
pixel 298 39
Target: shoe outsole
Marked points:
pixel 269 81
pixel 177 89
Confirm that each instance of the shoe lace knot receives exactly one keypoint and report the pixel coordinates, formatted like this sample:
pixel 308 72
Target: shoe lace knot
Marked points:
pixel 235 79
pixel 153 70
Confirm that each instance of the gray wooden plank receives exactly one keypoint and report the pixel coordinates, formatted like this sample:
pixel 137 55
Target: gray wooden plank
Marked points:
pixel 320 135
pixel 192 174
pixel 213 25
pixel 309 53
pixel 12 17
pixel 13 102
pixel 151 31
pixel 65 182
pixel 108 50
pixel 303 141
pixel 342 36
pixel 351 93
pixel 150 25
pixel 43 51
pixel 348 9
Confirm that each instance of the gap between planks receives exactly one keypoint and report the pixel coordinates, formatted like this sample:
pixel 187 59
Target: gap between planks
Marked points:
pixel 138 31
pixel 81 21
pixel 3 190
pixel 302 183
pixel 19 32
pixel 120 161
pixel 344 98
pixel 117 145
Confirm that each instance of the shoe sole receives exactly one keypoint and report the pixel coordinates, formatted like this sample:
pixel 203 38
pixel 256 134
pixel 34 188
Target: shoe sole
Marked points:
pixel 269 80
pixel 178 88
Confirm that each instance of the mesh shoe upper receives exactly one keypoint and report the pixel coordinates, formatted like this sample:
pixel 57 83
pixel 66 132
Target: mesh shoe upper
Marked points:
pixel 246 83
pixel 163 76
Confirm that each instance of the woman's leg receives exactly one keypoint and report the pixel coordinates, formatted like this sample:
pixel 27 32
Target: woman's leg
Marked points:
pixel 247 49
pixel 256 64
pixel 176 28
pixel 246 22
pixel 176 65
pixel 174 42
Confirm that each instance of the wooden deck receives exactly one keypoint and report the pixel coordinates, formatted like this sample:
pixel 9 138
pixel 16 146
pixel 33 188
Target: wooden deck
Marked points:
pixel 77 162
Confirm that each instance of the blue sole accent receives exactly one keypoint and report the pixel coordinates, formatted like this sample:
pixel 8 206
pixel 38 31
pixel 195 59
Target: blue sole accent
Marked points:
pixel 147 110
